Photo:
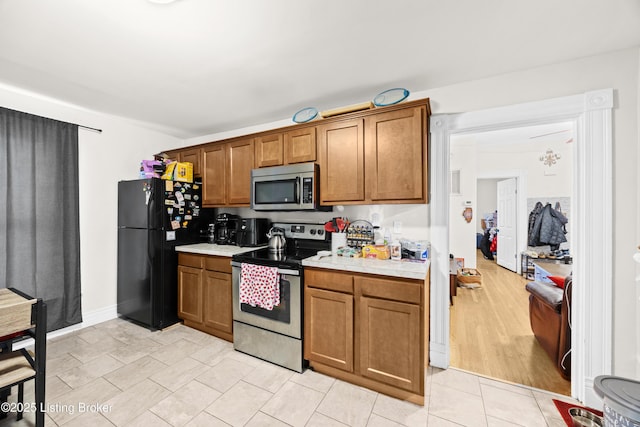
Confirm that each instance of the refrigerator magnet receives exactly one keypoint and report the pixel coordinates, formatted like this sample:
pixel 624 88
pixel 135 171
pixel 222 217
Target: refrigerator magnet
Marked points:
pixel 171 235
pixel 168 202
pixel 179 196
pixel 177 185
pixel 169 211
pixel 168 186
pixel 185 224
pixel 188 217
pixel 196 197
pixel 181 211
pixel 187 196
pixel 196 186
pixel 175 225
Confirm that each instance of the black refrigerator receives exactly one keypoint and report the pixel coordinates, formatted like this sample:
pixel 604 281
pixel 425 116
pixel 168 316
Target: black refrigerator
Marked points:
pixel 154 216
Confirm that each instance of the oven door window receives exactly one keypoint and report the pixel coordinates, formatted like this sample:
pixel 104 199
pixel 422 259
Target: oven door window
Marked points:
pixel 279 192
pixel 280 313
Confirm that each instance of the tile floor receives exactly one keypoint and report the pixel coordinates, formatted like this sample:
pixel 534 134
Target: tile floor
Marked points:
pixel 182 377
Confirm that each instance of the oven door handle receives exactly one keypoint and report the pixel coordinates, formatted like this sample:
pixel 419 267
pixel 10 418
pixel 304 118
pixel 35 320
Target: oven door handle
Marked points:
pixel 287 271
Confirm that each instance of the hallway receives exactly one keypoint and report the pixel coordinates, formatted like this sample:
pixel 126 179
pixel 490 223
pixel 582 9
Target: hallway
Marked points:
pixel 491 335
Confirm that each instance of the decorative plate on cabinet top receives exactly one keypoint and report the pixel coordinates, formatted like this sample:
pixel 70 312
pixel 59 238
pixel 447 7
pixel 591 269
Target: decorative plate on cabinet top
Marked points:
pixel 390 97
pixel 305 115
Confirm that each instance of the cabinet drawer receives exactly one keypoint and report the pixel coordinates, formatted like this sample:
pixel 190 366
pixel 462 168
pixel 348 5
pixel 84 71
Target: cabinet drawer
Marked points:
pixel 389 289
pixel 215 263
pixel 190 260
pixel 339 282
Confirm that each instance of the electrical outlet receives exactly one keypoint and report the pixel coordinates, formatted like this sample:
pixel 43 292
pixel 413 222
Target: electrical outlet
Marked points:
pixel 375 219
pixel 397 227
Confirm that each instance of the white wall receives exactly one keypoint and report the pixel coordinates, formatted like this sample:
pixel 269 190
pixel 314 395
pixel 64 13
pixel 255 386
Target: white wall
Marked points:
pixel 542 180
pixel 617 70
pixel 487 193
pixel 462 241
pixel 104 159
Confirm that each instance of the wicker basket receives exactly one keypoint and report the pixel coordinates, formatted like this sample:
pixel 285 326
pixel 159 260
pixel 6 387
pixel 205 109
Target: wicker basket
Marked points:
pixel 469 275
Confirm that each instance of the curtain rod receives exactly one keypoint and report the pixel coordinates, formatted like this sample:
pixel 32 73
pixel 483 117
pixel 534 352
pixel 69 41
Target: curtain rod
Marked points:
pixel 88 128
pixel 75 124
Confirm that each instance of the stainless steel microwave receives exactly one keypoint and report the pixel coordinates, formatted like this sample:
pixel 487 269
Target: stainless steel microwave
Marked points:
pixel 285 188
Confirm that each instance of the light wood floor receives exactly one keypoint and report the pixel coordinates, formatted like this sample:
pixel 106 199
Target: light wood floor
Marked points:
pixel 491 335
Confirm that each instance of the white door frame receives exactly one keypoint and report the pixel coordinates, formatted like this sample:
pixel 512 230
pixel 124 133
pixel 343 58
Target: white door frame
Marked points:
pixel 592 194
pixel 521 179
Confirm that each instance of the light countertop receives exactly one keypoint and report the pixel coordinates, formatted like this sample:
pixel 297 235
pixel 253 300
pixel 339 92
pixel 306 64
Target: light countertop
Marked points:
pixel 218 250
pixel 403 268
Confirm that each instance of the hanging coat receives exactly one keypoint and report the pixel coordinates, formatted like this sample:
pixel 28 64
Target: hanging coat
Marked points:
pixel 552 227
pixel 534 225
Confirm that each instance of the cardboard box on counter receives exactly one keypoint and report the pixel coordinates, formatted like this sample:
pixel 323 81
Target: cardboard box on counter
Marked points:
pixel 376 251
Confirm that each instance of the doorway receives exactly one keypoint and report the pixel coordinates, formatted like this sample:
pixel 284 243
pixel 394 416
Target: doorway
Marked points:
pixel 490 332
pixel 591 113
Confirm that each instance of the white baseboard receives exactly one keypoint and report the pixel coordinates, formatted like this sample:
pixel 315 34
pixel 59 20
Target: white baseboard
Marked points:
pixel 438 355
pixel 89 319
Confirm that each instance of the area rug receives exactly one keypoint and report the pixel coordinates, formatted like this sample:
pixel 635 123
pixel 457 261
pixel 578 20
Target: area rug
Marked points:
pixel 563 408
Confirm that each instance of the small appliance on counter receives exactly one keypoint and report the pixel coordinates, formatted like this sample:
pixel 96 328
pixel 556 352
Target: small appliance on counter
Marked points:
pixel 226 228
pixel 252 232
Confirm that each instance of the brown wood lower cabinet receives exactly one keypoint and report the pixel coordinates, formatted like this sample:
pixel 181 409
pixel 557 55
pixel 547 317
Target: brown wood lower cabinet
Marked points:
pixel 204 294
pixel 390 343
pixel 329 328
pixel 189 293
pixel 369 330
pixel 217 301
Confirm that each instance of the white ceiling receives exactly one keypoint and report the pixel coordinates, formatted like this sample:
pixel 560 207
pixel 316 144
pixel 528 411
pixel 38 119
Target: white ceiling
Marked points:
pixel 196 67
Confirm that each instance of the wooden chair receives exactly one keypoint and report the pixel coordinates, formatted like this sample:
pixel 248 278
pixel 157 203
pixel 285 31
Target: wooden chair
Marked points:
pixel 20 316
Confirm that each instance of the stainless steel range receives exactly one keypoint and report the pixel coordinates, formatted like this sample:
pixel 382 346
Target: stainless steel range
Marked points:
pixel 276 335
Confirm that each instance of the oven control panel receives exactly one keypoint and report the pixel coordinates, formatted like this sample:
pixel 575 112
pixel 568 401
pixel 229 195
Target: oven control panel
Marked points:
pixel 302 231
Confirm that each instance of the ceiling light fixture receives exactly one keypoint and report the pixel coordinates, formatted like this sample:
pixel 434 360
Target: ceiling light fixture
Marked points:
pixel 549 158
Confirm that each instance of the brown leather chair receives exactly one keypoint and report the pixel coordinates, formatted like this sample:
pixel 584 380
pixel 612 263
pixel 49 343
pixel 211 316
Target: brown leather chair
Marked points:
pixel 550 317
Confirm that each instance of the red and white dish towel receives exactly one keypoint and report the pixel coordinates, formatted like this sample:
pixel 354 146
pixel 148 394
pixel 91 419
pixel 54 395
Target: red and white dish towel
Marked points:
pixel 259 286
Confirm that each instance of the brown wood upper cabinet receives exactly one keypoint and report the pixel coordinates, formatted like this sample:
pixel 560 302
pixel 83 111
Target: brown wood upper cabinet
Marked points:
pixel 300 146
pixel 376 156
pixel 191 155
pixel 269 150
pixel 341 160
pixel 295 146
pixel 395 156
pixel 388 148
pixel 240 161
pixel 227 173
pixel 214 178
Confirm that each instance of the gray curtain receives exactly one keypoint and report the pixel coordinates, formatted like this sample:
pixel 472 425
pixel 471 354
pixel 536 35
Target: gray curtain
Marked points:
pixel 39 220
